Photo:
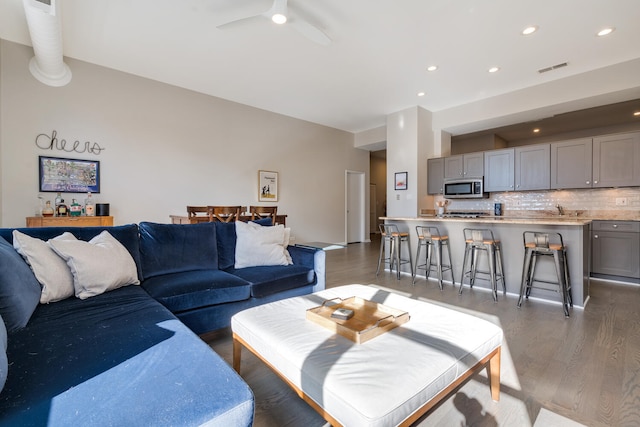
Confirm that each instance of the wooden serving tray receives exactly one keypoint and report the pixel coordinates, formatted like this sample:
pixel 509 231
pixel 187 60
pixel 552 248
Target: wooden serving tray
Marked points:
pixel 370 319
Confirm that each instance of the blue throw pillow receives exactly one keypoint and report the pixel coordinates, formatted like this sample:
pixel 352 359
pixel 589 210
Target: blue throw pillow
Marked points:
pixel 19 289
pixel 265 222
pixel 4 364
pixel 174 248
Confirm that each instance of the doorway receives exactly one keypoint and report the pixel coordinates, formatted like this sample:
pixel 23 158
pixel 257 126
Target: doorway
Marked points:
pixel 373 204
pixel 355 215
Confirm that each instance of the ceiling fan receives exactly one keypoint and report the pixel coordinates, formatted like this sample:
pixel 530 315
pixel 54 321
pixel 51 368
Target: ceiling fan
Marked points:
pixel 279 14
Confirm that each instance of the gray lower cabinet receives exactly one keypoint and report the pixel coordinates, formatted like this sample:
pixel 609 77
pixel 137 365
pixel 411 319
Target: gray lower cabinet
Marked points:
pixel 615 249
pixel 532 167
pixel 616 160
pixel 435 176
pixel 571 163
pixel 499 170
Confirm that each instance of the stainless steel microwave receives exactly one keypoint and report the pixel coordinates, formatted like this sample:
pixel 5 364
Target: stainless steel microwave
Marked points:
pixel 464 188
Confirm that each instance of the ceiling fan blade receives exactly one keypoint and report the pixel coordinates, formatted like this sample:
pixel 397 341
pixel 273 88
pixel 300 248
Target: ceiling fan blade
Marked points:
pixel 240 21
pixel 311 32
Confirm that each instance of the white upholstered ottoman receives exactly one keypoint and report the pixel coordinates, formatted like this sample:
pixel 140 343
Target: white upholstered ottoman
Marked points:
pixel 390 380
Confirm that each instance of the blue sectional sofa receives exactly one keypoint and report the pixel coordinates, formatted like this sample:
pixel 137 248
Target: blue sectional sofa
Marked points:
pixel 132 356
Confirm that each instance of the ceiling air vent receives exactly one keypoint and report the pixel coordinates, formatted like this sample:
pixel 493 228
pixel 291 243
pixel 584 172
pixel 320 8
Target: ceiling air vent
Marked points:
pixel 45 29
pixel 47 6
pixel 553 67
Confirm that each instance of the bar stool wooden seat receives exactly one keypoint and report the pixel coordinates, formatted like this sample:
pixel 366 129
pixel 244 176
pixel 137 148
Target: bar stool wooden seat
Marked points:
pixel 391 240
pixel 478 241
pixel 433 242
pixel 540 245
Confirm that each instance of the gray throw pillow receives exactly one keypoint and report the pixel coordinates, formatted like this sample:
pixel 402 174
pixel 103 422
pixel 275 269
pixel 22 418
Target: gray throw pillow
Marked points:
pixel 99 265
pixel 4 363
pixel 50 270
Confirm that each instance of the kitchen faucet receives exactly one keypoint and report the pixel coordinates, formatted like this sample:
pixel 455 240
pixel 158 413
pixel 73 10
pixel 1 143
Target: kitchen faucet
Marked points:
pixel 560 209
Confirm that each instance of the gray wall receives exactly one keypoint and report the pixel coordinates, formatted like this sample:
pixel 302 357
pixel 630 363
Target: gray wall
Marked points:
pixel 168 147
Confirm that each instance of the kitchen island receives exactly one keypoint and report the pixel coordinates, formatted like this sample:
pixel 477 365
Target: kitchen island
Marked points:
pixel 509 230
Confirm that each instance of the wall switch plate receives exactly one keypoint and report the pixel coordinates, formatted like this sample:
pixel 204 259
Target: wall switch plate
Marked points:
pixel 397 197
pixel 621 201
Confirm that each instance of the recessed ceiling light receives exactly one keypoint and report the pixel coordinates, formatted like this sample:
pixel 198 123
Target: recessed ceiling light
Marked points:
pixel 432 67
pixel 605 31
pixel 636 113
pixel 536 130
pixel 529 30
pixel 421 93
pixel 494 69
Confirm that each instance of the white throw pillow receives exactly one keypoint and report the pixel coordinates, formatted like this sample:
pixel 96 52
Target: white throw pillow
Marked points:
pixel 50 270
pixel 99 265
pixel 257 245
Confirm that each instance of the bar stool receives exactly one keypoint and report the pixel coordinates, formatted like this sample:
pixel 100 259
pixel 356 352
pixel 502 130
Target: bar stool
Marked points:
pixel 482 240
pixel 545 244
pixel 432 241
pixel 393 238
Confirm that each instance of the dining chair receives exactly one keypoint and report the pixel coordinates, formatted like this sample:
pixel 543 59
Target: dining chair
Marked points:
pixel 224 213
pixel 260 212
pixel 196 213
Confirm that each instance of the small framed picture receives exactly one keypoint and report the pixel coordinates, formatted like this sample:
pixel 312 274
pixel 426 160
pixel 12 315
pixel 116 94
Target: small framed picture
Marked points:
pixel 267 186
pixel 401 181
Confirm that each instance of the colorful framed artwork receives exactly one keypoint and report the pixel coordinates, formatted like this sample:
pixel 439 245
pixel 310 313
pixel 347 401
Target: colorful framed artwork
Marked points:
pixel 68 175
pixel 401 181
pixel 267 186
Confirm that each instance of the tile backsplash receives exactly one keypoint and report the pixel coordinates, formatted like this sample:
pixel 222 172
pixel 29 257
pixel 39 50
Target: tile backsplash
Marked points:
pixel 613 203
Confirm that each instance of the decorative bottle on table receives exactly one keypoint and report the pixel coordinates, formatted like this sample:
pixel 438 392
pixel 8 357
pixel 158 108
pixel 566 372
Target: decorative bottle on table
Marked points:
pixel 75 208
pixel 89 207
pixel 48 210
pixel 57 201
pixel 61 209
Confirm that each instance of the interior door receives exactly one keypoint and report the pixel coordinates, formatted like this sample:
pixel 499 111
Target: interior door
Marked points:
pixel 373 211
pixel 355 215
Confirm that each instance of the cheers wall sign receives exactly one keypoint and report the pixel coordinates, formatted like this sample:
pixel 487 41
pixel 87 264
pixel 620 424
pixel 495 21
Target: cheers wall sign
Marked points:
pixel 51 142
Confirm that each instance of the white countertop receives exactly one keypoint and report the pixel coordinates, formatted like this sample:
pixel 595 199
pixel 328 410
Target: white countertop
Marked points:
pixel 558 220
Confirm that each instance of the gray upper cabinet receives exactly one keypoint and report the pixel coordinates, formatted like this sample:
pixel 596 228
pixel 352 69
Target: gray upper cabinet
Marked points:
pixel 453 167
pixel 464 166
pixel 435 176
pixel 532 165
pixel 473 165
pixel 603 161
pixel 571 163
pixel 616 160
pixel 499 170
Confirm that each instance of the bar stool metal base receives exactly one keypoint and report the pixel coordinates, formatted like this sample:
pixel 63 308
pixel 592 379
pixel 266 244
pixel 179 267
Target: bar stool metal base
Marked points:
pixel 393 238
pixel 540 245
pixel 482 240
pixel 433 242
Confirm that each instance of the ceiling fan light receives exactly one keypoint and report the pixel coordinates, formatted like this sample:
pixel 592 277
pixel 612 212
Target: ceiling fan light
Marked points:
pixel 605 31
pixel 279 18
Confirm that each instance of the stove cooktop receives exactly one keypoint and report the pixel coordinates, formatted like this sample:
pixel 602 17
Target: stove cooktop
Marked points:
pixel 463 214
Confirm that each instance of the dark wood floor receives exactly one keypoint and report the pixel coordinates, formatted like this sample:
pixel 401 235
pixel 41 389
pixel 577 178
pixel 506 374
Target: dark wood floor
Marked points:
pixel 585 368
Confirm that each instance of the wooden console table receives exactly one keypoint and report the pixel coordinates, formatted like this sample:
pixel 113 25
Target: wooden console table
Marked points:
pixel 69 221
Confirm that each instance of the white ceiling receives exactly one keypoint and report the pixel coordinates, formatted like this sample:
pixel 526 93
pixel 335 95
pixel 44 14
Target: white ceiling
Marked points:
pixel 375 65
